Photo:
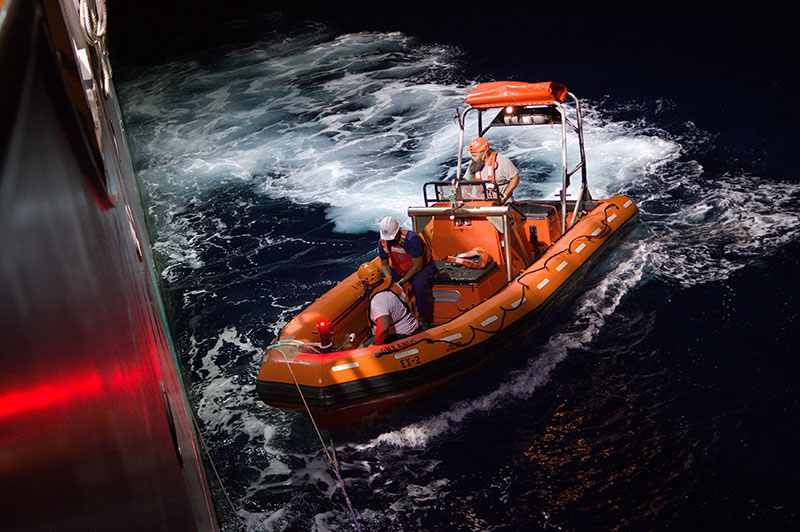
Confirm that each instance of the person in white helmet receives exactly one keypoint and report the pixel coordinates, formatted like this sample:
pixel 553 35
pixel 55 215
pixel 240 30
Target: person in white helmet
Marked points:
pixel 406 259
pixel 489 165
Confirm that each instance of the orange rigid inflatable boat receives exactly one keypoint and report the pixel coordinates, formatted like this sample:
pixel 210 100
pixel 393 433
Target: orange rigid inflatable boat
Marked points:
pixel 539 251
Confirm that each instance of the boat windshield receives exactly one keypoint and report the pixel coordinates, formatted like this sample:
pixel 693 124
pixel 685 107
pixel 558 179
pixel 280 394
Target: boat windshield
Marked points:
pixel 466 191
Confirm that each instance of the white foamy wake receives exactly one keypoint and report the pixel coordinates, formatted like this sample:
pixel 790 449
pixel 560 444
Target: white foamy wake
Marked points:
pixel 732 221
pixel 355 122
pixel 221 399
pixel 229 407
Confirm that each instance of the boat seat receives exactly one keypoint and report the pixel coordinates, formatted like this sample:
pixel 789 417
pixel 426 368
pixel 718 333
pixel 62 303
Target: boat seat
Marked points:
pixel 448 273
pixel 541 218
pixel 535 211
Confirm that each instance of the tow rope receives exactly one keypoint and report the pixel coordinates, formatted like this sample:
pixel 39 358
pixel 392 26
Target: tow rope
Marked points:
pixel 94 21
pixel 332 461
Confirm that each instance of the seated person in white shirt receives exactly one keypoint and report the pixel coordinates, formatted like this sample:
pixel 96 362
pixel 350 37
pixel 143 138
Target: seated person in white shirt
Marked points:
pixel 387 305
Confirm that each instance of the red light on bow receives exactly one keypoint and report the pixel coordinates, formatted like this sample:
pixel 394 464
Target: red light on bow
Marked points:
pixel 325 333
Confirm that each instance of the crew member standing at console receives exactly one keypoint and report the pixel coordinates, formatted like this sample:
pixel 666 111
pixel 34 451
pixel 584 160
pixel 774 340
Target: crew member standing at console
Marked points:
pixel 405 258
pixel 490 165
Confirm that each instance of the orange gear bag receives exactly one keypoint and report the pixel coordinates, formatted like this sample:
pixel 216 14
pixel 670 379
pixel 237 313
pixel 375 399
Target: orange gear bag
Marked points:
pixel 475 258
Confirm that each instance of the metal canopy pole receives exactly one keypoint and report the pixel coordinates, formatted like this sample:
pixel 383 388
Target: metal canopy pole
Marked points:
pixel 460 120
pixel 506 244
pixel 584 182
pixel 564 176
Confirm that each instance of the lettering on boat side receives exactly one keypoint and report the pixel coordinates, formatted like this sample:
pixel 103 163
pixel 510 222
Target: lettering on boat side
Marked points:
pixel 398 356
pixel 580 248
pixel 341 367
pixel 489 320
pixel 391 348
pixel 409 362
pixel 544 283
pixel 561 266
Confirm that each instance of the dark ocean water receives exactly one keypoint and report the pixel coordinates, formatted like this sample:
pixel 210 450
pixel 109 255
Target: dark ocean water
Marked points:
pixel 661 397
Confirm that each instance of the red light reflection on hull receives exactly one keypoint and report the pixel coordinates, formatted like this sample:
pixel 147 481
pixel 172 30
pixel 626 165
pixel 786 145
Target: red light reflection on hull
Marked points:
pixel 50 395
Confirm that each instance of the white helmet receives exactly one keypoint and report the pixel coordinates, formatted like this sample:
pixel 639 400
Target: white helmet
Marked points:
pixel 389 228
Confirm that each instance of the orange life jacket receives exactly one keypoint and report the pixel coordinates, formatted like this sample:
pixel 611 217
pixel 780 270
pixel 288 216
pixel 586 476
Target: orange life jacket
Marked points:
pixel 491 164
pixel 399 259
pixel 474 258
pixel 392 287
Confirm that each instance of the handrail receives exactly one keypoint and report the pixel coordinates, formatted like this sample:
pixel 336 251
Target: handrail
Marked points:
pixel 466 209
pixel 488 194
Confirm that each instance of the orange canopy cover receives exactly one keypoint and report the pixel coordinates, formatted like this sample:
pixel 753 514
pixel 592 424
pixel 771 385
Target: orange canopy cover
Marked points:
pixel 503 93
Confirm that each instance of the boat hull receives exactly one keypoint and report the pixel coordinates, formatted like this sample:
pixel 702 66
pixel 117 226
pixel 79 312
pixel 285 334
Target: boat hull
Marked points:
pixel 342 387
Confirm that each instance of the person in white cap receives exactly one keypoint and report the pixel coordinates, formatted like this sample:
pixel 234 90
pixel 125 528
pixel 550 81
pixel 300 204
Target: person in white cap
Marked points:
pixel 490 165
pixel 406 258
